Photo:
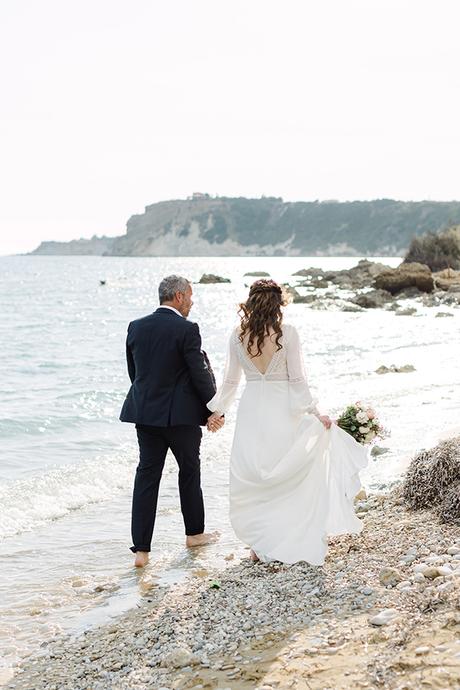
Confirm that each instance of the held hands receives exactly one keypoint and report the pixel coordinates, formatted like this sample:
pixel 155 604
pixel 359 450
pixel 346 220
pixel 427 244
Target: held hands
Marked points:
pixel 215 422
pixel 325 420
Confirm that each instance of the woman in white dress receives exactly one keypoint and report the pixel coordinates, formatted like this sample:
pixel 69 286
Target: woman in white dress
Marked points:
pixel 293 474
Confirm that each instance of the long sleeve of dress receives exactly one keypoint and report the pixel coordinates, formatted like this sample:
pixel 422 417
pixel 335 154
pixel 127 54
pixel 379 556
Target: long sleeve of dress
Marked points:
pixel 226 392
pixel 301 399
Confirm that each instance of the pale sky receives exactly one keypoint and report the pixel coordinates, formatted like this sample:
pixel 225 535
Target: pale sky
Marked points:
pixel 110 105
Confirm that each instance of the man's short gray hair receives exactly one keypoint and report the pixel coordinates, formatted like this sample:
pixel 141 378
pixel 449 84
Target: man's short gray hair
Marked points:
pixel 170 285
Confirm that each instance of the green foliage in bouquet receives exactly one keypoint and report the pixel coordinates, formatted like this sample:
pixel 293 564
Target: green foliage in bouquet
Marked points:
pixel 361 422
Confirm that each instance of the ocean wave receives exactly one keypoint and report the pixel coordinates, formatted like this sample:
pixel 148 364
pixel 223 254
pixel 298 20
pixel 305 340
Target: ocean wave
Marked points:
pixel 30 503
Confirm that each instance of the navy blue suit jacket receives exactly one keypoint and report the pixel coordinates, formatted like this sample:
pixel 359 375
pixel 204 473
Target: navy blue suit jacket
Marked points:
pixel 171 379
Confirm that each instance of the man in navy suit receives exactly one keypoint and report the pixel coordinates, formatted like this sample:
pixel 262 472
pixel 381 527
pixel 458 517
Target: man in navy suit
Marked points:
pixel 171 382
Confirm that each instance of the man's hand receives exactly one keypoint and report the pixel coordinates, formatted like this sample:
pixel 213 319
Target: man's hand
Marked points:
pixel 215 422
pixel 325 420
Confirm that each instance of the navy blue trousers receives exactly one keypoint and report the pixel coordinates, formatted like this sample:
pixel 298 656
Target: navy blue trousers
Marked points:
pixel 154 442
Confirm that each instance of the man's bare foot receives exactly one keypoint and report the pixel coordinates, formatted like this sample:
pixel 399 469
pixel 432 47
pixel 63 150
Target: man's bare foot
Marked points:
pixel 202 539
pixel 141 560
pixel 253 556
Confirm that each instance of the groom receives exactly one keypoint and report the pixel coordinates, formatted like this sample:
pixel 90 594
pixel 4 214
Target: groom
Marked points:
pixel 171 383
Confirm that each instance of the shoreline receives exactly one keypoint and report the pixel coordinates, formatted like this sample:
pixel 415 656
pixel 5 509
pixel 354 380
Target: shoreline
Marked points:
pixel 275 626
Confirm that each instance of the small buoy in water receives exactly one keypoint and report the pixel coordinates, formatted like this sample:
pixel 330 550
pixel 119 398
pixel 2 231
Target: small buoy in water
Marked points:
pixel 102 282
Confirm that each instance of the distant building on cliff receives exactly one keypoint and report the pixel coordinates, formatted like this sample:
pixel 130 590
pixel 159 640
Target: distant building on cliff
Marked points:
pixel 199 195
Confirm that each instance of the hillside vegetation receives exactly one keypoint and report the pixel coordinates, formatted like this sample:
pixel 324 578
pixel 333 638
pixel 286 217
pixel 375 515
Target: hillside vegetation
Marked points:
pixel 225 226
pixel 438 251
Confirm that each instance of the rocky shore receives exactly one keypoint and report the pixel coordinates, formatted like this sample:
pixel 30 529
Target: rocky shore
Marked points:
pixel 383 612
pixel 370 285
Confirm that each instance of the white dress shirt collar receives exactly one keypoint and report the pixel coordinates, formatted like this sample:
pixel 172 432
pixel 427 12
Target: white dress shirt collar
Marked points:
pixel 166 306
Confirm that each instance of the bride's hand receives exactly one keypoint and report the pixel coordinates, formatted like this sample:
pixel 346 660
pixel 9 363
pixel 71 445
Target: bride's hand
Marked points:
pixel 215 422
pixel 325 420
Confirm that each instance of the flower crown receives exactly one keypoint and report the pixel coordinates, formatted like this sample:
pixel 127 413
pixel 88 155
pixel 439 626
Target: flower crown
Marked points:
pixel 261 286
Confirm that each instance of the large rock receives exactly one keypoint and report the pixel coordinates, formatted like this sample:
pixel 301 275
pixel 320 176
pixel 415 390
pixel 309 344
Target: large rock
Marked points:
pixel 395 280
pixel 447 279
pixel 297 298
pixel 368 268
pixel 393 369
pixel 258 274
pixel 343 280
pixel 412 293
pixel 408 311
pixel 373 299
pixel 309 272
pixel 209 278
pixel 314 283
pixel 451 298
pixel 359 276
pixel 344 305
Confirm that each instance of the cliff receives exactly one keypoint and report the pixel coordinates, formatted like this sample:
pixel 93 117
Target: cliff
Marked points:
pixel 96 246
pixel 225 226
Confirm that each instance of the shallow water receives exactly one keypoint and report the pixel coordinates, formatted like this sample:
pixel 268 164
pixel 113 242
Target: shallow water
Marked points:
pixel 67 464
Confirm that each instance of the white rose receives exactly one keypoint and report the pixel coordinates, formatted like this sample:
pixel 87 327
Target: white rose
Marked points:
pixel 369 437
pixel 363 429
pixel 361 417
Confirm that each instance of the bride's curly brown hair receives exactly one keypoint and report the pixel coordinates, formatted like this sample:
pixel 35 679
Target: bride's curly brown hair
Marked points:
pixel 261 314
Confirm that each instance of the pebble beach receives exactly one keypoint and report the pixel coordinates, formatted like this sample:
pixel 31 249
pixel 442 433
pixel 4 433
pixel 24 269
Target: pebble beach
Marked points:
pixel 383 612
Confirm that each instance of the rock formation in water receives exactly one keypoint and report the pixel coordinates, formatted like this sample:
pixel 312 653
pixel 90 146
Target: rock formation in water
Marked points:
pixel 407 275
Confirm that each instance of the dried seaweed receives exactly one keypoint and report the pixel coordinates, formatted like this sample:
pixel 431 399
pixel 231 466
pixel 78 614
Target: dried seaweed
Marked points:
pixel 432 476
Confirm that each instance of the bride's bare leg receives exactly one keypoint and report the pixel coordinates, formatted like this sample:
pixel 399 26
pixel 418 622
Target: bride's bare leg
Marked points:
pixel 202 539
pixel 253 556
pixel 141 559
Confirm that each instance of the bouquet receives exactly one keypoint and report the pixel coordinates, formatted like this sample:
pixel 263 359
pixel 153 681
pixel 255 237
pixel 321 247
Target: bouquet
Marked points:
pixel 361 422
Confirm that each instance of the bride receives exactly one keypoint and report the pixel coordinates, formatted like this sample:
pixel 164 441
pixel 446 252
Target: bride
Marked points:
pixel 293 473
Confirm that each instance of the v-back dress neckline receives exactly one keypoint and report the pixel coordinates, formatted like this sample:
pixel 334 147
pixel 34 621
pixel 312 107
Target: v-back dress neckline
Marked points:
pixel 251 359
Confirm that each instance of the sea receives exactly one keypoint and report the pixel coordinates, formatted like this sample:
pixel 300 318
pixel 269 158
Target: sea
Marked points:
pixel 67 464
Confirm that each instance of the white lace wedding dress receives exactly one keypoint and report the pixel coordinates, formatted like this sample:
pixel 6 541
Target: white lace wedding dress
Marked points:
pixel 292 481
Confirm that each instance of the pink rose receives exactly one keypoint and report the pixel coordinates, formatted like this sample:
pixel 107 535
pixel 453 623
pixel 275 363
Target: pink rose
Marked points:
pixel 370 413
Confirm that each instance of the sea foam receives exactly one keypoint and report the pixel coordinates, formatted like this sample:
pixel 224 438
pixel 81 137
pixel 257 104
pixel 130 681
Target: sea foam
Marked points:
pixel 30 503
